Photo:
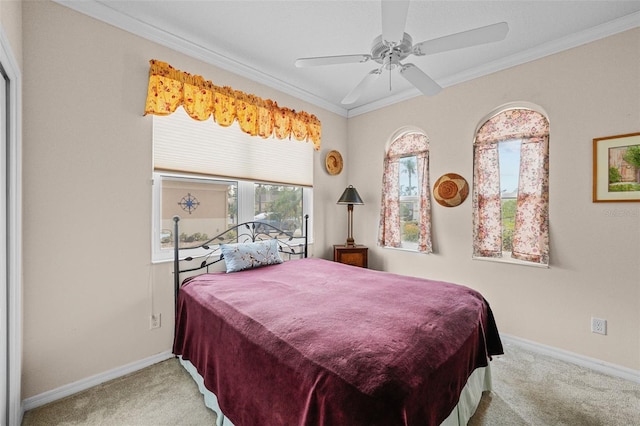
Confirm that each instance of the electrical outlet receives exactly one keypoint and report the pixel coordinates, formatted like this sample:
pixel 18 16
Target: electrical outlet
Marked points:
pixel 598 325
pixel 154 321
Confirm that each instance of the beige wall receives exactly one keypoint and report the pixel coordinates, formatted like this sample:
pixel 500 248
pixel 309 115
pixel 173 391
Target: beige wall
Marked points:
pixel 588 92
pixel 11 20
pixel 89 286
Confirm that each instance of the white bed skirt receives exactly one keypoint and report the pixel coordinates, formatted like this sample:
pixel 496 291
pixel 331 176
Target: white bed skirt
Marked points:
pixel 479 381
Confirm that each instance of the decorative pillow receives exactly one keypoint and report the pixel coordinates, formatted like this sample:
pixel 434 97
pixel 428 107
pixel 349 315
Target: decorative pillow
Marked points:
pixel 241 256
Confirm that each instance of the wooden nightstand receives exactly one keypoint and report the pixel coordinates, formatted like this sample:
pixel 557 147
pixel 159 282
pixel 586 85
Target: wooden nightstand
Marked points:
pixel 351 255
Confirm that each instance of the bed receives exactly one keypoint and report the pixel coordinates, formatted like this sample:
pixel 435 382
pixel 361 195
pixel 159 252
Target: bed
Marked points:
pixel 308 341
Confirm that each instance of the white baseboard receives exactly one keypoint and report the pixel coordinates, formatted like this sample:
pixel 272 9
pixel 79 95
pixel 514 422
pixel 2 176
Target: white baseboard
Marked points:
pixel 573 358
pixel 89 382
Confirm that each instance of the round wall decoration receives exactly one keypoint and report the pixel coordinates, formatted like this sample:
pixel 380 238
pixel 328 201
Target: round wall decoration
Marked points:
pixel 189 203
pixel 333 162
pixel 450 190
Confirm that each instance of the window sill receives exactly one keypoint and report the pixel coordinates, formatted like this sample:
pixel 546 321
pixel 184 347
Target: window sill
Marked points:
pixel 410 250
pixel 511 261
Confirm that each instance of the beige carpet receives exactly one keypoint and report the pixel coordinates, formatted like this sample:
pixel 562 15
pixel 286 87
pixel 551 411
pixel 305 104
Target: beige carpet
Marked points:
pixel 533 389
pixel 163 394
pixel 528 389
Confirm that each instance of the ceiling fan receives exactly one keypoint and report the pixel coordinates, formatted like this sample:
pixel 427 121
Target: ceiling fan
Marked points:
pixel 394 45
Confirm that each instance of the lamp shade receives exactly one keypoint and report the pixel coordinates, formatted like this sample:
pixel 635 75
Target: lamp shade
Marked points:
pixel 350 196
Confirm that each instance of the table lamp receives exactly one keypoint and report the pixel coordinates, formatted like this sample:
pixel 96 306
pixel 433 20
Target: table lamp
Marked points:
pixel 350 197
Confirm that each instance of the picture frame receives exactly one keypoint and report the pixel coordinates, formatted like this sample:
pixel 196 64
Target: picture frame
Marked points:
pixel 616 168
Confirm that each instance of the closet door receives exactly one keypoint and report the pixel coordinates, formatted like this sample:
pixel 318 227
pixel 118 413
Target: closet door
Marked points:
pixel 10 235
pixel 4 288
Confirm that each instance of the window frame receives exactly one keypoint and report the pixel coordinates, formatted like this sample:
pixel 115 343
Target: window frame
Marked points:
pixel 506 256
pixel 422 189
pixel 184 148
pixel 245 200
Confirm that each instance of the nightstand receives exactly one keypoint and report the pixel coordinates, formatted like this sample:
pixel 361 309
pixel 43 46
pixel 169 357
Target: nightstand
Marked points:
pixel 351 255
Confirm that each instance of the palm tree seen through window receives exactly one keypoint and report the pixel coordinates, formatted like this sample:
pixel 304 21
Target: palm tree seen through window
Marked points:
pixel 409 200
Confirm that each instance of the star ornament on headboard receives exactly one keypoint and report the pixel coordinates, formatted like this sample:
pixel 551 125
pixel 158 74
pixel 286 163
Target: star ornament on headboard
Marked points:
pixel 189 203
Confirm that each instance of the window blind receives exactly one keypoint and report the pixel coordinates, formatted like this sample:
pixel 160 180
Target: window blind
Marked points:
pixel 183 144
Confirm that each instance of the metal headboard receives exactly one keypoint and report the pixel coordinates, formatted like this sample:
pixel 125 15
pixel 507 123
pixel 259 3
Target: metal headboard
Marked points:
pixel 209 252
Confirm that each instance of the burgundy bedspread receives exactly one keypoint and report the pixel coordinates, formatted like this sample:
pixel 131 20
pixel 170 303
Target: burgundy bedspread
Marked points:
pixel 314 342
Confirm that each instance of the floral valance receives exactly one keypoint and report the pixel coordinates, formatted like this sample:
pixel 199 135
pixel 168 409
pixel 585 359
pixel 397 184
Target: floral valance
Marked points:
pixel 169 88
pixel 414 143
pixel 513 124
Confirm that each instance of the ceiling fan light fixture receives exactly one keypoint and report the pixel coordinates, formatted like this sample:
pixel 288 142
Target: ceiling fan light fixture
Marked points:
pixel 380 50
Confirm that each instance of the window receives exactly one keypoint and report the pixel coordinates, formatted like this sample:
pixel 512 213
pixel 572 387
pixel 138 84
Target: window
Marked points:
pixel 279 206
pixel 215 177
pixel 405 214
pixel 509 163
pixel 511 187
pixel 208 206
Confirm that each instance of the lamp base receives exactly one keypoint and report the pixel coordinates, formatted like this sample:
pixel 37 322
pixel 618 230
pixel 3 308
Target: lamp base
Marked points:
pixel 350 242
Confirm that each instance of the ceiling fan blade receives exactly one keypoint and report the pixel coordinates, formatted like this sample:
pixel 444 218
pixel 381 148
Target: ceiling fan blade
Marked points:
pixel 362 86
pixel 331 60
pixel 475 37
pixel 420 80
pixel 394 18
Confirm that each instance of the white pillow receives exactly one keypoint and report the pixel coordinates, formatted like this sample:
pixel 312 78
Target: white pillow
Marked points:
pixel 241 256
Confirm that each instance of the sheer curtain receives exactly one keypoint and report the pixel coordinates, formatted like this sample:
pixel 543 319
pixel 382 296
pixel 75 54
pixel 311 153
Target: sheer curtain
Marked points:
pixel 531 233
pixel 390 233
pixel 389 228
pixel 487 206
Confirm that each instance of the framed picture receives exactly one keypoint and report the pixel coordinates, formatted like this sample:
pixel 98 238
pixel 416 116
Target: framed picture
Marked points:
pixel 616 168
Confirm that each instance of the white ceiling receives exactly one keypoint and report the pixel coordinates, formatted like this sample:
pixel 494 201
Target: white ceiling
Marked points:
pixel 262 39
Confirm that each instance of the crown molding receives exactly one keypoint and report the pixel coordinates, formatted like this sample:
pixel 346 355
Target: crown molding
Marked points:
pixel 102 12
pixel 607 29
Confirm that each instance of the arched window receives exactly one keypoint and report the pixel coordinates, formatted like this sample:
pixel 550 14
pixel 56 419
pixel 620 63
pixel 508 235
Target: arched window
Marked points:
pixel 511 186
pixel 405 213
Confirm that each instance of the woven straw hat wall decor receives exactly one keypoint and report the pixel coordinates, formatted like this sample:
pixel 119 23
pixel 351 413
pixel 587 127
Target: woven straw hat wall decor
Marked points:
pixel 450 190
